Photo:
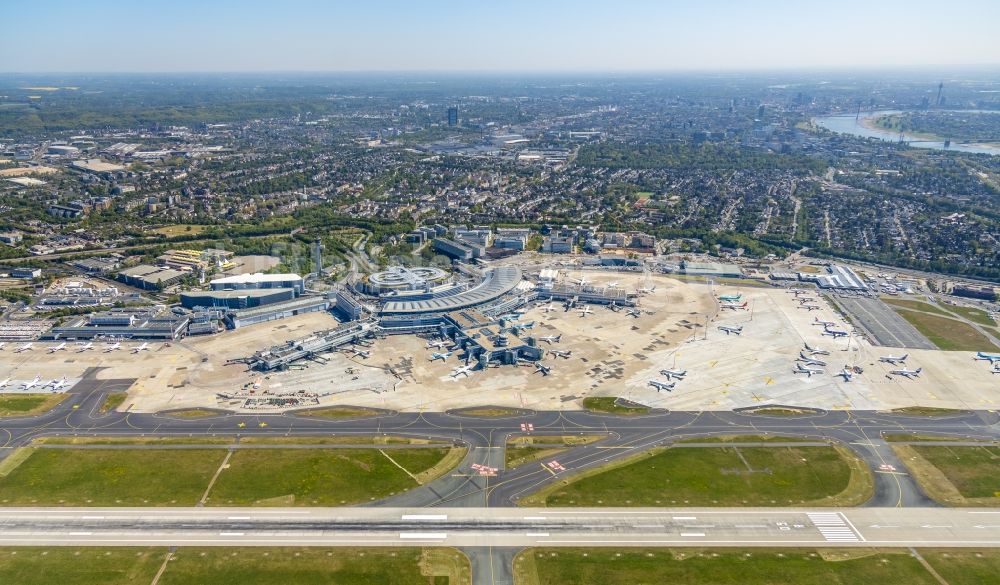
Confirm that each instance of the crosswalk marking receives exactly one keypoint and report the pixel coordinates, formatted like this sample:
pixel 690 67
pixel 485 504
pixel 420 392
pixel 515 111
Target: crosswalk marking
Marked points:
pixel 834 527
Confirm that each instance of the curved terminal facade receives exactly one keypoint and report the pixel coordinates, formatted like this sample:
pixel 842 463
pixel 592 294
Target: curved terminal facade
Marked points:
pixel 401 278
pixel 496 283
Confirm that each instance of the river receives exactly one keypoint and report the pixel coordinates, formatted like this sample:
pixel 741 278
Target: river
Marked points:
pixel 849 124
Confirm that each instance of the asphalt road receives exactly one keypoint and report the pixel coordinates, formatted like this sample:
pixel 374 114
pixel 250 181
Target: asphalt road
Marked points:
pixel 503 527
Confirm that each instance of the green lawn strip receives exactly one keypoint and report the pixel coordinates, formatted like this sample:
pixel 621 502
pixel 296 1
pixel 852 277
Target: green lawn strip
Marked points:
pixel 313 566
pixel 915 305
pixel 343 440
pixel 973 471
pixel 977 316
pixel 907 437
pixel 192 413
pixel 320 477
pixel 45 565
pixel 337 412
pixel 964 566
pixel 928 411
pixel 719 476
pixel 29 404
pixel 947 333
pixel 631 566
pixel 747 439
pixel 526 449
pixel 113 400
pixel 221 441
pixel 488 412
pixel 610 405
pixel 110 477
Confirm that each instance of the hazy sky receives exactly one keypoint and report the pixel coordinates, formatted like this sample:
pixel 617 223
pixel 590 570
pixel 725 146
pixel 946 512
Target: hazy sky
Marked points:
pixel 493 35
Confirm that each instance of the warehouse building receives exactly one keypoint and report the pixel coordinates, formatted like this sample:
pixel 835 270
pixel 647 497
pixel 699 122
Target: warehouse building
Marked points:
pixel 235 299
pixel 260 281
pixel 151 277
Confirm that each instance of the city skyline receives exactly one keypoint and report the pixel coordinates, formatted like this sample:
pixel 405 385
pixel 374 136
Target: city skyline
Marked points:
pixel 639 36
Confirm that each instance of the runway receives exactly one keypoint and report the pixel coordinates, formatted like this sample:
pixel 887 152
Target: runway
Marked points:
pixel 503 527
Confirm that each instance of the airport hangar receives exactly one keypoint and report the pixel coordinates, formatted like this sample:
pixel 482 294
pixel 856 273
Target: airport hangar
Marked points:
pixel 476 319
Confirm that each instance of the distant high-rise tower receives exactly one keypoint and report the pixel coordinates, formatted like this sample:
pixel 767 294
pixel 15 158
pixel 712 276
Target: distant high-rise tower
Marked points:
pixel 940 89
pixel 453 116
pixel 317 250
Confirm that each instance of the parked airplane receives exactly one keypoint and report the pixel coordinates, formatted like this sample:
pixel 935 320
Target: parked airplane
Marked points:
pixel 585 311
pixel 580 281
pixel 143 347
pixel 32 383
pixel 810 307
pixel 644 290
pixel 817 321
pixel 815 350
pixel 112 347
pixel 731 298
pixel 991 357
pixel 440 356
pixel 85 347
pixel 549 307
pixel 804 299
pixel 461 370
pixel 613 284
pixel 561 353
pixel 661 386
pixel 908 373
pixel 671 374
pixel 2 344
pixel 734 306
pixel 512 315
pixel 25 347
pixel 57 385
pixel 800 369
pixel 436 344
pixel 730 329
pixel 810 361
pixel 846 374
pixel 894 359
pixel 360 353
pixel 543 368
pixel 4 382
pixel 519 326
pixel 633 313
pixel 835 333
pixel 58 347
pixel 796 291
pixel 551 338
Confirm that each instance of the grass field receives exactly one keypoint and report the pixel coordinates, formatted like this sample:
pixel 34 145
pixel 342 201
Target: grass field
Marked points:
pixel 973 314
pixel 337 412
pixel 180 230
pixel 630 566
pixel 610 405
pixel 914 305
pixel 234 566
pixel 719 476
pixel 928 411
pixel 113 400
pixel 110 477
pixel 192 413
pixel 488 412
pixel 946 333
pixel 521 450
pixel 744 439
pixel 964 566
pixel 973 471
pixel 28 404
pixel 328 477
pixel 179 477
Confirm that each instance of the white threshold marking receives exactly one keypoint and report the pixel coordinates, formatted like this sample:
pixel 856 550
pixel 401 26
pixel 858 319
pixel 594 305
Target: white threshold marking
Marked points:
pixel 231 534
pixel 92 517
pixel 685 517
pixel 534 517
pixel 538 534
pixel 424 535
pixel 238 518
pixel 425 516
pixel 691 534
pixel 80 533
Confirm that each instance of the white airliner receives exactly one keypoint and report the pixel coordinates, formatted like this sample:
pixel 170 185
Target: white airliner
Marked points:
pixel 32 383
pixel 461 370
pixel 360 353
pixel 560 353
pixel 817 321
pixel 436 344
pixel 25 347
pixel 661 386
pixel 810 307
pixel 57 385
pixel 440 356
pixel 800 369
pixel 112 347
pixel 990 357
pixel 907 373
pixel 549 307
pixel 56 348
pixel 734 306
pixel 542 368
pixel 804 299
pixel 139 348
pixel 580 281
pixel 3 344
pixel 646 291
pixel 671 374
pixel 835 333
pixel 86 346
pixel 551 338
pixel 894 359
pixel 633 313
pixel 730 329
pixel 810 361
pixel 846 374
pixel 613 284
pixel 585 311
pixel 816 350
pixel 4 383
